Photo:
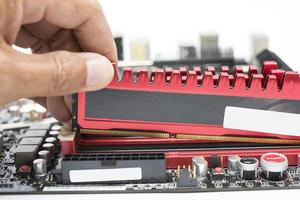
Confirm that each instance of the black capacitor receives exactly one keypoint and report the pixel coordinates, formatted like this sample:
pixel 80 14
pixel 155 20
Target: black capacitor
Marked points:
pixel 248 168
pixel 49 147
pixel 214 161
pixel 54 134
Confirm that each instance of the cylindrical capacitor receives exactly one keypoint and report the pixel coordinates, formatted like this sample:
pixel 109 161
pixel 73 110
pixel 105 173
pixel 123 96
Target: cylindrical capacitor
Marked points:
pixel 52 140
pixel 200 167
pixel 45 154
pixel 54 134
pixel 40 168
pixel 56 127
pixel 56 143
pixel 248 168
pixel 273 165
pixel 49 147
pixel 233 164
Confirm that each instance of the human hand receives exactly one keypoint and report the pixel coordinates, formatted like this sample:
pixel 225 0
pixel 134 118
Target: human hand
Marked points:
pixel 56 31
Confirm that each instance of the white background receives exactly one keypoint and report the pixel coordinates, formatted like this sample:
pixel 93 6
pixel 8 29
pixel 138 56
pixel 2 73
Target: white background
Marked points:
pixel 168 23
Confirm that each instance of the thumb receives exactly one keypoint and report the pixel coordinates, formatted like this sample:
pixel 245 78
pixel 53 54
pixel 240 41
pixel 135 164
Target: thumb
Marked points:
pixel 60 73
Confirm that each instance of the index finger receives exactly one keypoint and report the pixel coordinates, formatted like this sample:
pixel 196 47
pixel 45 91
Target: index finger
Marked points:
pixel 86 18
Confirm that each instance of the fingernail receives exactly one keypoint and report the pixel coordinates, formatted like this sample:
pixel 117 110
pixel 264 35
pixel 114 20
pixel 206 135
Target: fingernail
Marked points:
pixel 99 71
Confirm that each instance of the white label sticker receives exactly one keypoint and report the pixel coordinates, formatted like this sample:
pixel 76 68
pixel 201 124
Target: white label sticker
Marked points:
pixel 262 121
pixel 97 175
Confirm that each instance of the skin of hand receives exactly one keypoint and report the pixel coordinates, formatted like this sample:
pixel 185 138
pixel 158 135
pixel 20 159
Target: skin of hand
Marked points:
pixel 72 46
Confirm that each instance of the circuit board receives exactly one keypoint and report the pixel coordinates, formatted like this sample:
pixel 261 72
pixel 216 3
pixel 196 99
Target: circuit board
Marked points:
pixel 17 176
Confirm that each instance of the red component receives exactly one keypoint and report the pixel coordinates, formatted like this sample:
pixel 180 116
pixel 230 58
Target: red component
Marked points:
pixel 24 169
pixel 238 69
pixel 223 81
pixel 211 69
pixel 191 82
pixel 158 78
pixel 183 73
pixel 175 159
pixel 197 70
pixel 170 81
pixel 127 77
pixel 225 69
pixel 207 81
pixel 268 66
pixel 218 170
pixel 142 78
pixel 255 83
pixel 168 72
pixel 271 83
pixel 252 70
pixel 279 75
pixel 176 80
pixel 291 83
pixel 273 158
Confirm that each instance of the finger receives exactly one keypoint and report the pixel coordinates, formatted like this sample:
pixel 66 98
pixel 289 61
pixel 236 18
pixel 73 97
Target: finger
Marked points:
pixel 86 18
pixel 54 74
pixel 10 19
pixel 57 106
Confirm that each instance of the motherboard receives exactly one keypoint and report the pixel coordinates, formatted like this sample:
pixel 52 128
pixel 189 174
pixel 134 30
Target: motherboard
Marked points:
pixel 31 162
pixel 160 128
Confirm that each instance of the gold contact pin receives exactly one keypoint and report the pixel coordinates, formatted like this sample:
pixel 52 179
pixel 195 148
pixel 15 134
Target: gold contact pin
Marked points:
pixel 182 136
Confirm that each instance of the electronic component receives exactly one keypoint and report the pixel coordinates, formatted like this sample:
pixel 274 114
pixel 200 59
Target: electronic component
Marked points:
pixel 24 171
pixel 233 164
pixel 166 148
pixel 214 161
pixel 185 179
pixel 209 46
pixel 187 52
pixel 248 168
pixel 54 134
pixel 25 154
pixel 200 167
pixel 40 126
pixel 35 133
pixel 40 168
pixel 171 171
pixel 210 93
pixel 49 147
pixel 1 142
pixel 273 166
pixel 32 141
pixel 45 154
pixel 88 168
pixel 52 140
pixel 55 128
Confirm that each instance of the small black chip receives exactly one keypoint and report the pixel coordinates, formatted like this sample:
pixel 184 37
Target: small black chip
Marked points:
pixel 214 161
pixel 35 133
pixel 25 154
pixel 32 141
pixel 40 126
